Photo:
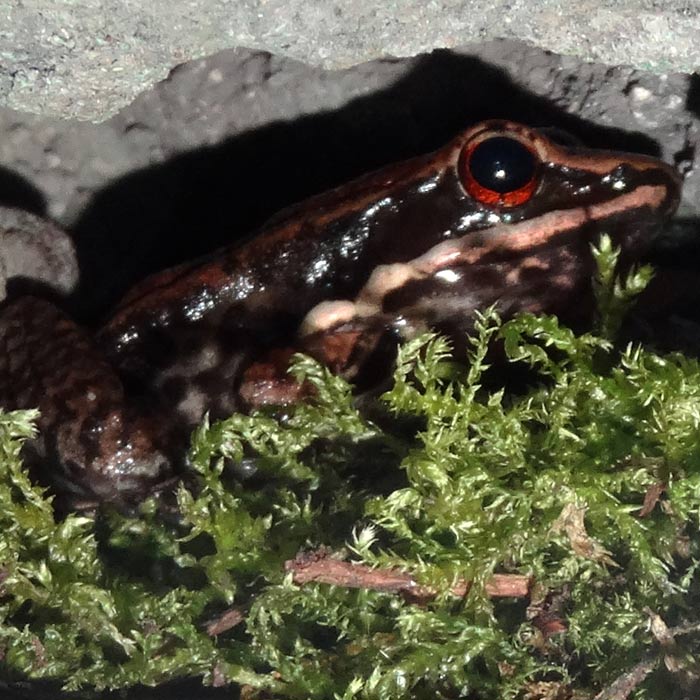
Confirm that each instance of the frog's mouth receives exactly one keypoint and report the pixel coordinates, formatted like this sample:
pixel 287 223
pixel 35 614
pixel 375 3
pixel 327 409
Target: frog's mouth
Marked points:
pixel 531 265
pixel 529 235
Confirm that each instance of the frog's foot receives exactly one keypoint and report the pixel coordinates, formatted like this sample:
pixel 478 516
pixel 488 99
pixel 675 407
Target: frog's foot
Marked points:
pixel 92 444
pixel 267 382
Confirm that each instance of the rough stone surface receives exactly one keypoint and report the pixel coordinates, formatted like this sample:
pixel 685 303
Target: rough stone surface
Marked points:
pixel 88 58
pixel 34 250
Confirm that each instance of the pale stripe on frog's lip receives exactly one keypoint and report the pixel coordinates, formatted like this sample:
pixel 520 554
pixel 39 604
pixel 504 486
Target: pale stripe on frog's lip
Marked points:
pixel 470 249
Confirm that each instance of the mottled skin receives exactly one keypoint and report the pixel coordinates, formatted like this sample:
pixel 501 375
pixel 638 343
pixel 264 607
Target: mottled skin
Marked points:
pixel 342 276
pixel 89 429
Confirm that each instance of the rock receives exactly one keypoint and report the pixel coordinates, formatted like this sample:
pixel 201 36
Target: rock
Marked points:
pixel 35 253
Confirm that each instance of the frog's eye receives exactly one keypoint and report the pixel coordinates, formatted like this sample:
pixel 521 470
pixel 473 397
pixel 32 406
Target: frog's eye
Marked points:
pixel 499 170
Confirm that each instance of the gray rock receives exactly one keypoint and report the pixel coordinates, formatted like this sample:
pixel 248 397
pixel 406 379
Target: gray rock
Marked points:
pixel 33 249
pixel 86 59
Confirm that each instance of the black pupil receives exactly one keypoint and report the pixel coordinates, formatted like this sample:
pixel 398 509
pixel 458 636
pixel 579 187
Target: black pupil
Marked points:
pixel 502 164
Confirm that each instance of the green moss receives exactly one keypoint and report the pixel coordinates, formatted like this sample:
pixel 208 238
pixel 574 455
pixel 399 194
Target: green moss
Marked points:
pixel 459 483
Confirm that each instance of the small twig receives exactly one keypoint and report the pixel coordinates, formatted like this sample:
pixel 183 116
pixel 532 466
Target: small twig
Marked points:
pixel 651 498
pixel 628 681
pixel 509 586
pixel 228 619
pixel 319 567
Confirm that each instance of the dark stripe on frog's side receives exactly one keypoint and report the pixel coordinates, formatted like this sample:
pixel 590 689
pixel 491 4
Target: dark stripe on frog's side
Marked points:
pixel 295 267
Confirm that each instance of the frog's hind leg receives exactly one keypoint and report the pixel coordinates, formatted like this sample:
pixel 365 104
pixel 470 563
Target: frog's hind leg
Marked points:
pixel 93 446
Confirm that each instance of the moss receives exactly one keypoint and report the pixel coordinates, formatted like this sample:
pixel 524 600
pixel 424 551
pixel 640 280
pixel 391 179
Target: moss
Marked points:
pixel 459 483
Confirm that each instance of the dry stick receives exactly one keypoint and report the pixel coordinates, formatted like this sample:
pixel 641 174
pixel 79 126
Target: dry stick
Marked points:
pixel 228 619
pixel 318 567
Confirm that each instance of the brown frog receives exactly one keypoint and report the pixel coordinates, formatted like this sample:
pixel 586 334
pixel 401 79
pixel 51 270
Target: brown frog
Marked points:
pixel 502 213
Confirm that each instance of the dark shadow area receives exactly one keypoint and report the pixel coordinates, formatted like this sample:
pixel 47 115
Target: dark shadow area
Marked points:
pixel 18 193
pixel 692 101
pixel 196 202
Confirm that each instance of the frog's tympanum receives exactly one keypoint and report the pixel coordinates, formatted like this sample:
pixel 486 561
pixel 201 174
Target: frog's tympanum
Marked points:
pixel 501 214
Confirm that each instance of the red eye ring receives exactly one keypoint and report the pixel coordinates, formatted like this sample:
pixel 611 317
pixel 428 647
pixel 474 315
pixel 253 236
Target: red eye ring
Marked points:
pixel 499 170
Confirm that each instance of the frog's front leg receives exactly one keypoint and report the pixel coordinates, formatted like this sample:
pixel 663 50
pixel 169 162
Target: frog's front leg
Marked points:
pixel 360 350
pixel 93 444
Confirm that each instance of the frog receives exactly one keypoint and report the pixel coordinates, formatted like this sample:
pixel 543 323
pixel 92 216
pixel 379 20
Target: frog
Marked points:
pixel 503 214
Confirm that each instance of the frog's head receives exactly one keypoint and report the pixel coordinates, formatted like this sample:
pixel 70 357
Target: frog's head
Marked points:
pixel 525 210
